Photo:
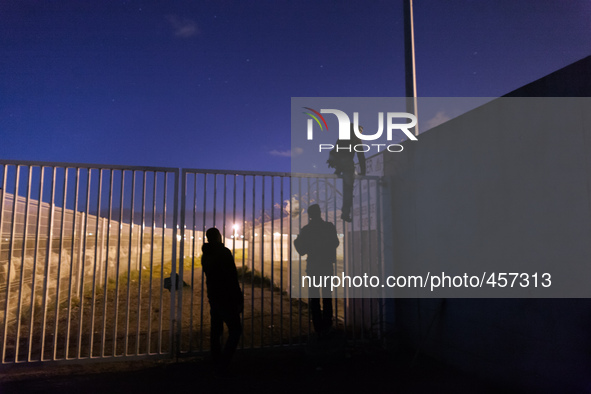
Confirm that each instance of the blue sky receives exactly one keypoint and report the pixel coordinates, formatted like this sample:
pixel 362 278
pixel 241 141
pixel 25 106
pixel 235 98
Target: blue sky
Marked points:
pixel 208 84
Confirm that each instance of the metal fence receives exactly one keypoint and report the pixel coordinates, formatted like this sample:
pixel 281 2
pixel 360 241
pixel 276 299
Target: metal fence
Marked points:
pixel 85 251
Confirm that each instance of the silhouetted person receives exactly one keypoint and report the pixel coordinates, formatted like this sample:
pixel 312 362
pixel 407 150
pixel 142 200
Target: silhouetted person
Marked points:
pixel 319 240
pixel 341 159
pixel 226 300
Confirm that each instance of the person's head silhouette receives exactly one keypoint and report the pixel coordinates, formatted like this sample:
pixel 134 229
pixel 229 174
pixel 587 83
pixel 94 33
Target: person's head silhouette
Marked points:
pixel 360 128
pixel 213 235
pixel 314 212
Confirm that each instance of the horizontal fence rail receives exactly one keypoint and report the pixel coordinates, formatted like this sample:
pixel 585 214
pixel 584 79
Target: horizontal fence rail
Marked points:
pixel 88 257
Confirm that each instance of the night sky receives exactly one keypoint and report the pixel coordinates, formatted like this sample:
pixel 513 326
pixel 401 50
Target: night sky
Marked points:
pixel 208 84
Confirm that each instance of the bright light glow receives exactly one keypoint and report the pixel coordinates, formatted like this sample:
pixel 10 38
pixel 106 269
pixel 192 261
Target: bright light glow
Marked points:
pixel 277 234
pixel 236 227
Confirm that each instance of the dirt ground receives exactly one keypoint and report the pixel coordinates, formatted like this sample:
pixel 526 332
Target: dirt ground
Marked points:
pixel 136 320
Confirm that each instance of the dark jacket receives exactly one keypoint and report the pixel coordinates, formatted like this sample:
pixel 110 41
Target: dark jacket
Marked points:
pixel 319 240
pixel 223 289
pixel 345 159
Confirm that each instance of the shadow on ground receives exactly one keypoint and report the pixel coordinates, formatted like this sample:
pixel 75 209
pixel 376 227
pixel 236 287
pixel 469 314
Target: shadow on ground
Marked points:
pixel 321 366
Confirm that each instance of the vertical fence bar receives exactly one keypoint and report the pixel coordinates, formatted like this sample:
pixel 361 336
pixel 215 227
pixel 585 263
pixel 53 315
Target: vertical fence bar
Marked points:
pixel 23 261
pixel 362 260
pixel 106 279
pixel 352 263
pixel 178 318
pixel 336 294
pixel 272 249
pixel 59 266
pixel 72 250
pixel 161 304
pixel 9 268
pixel 2 197
pixel 252 248
pixel 290 256
pixel 47 262
pixel 149 317
pixel 82 270
pixel 192 259
pixel 130 249
pixel 215 198
pixel 263 262
pixel 141 260
pixel 308 193
pixel 4 173
pixel 379 230
pixel 202 273
pixel 224 211
pixel 234 227
pixel 181 252
pixel 94 272
pixel 300 262
pixel 117 266
pixel 243 250
pixel 281 184
pixel 369 243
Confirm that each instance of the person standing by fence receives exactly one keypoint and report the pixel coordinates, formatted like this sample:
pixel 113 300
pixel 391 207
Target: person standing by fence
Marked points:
pixel 319 240
pixel 226 300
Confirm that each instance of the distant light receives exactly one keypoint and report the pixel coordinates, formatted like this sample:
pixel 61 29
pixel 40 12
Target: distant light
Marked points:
pixel 277 234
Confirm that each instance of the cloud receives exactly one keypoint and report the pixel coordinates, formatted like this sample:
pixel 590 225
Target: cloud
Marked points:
pixel 287 153
pixel 183 28
pixel 439 118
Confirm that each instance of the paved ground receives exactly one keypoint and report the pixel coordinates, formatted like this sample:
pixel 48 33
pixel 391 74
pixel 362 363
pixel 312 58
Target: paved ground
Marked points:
pixel 318 367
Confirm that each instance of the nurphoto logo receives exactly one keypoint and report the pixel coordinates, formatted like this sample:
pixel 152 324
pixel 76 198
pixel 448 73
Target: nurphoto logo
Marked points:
pixel 346 127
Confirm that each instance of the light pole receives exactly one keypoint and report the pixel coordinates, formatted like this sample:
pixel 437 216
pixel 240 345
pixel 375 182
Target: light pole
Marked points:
pixel 409 61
